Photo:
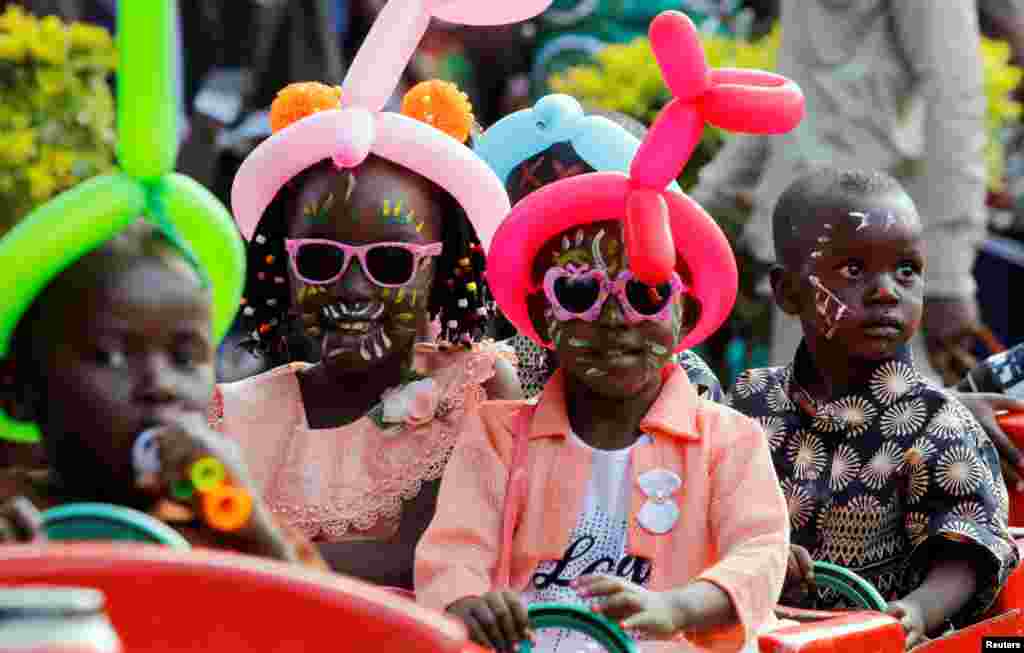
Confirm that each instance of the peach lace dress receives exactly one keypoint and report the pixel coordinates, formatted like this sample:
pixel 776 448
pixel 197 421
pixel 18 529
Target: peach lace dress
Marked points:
pixel 349 482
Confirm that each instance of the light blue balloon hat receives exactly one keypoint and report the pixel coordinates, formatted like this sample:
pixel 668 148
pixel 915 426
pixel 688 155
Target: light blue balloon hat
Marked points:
pixel 601 143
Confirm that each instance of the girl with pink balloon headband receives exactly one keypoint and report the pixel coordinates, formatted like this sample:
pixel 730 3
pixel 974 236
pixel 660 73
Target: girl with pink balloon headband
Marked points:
pixel 365 226
pixel 619 488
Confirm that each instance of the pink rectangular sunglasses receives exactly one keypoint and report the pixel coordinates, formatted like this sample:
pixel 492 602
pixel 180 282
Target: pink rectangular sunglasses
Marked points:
pixel 319 261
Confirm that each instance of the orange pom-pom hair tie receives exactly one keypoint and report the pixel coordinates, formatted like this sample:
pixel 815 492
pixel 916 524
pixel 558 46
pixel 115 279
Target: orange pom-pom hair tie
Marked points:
pixel 314 122
pixel 297 101
pixel 442 105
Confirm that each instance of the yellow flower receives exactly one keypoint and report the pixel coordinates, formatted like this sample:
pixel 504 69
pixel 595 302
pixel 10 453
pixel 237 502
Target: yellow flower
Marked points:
pixel 15 20
pixel 51 81
pixel 89 37
pixel 40 182
pixel 12 47
pixel 60 162
pixel 50 45
pixel 21 146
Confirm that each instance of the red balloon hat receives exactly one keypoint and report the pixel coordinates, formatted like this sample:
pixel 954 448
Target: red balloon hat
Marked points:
pixel 664 230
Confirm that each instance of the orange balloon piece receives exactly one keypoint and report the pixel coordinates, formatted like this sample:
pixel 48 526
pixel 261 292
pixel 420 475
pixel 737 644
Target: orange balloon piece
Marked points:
pixel 227 508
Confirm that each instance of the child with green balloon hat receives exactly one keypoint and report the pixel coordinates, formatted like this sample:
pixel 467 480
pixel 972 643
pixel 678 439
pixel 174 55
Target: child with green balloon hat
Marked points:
pixel 109 325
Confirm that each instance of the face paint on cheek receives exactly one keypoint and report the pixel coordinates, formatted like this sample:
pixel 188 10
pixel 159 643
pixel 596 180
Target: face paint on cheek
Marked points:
pixel 657 355
pixel 554 328
pixel 829 307
pixel 307 292
pixel 594 372
pixel 678 313
pixel 580 343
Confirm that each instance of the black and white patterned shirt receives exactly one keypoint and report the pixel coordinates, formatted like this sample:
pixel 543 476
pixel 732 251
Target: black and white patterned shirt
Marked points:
pixel 874 479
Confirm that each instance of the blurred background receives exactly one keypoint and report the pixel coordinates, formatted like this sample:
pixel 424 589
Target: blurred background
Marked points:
pixel 58 62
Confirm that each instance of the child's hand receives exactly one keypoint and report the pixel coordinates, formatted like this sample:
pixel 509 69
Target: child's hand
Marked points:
pixel 912 618
pixel 182 443
pixel 233 508
pixel 799 576
pixel 654 614
pixel 496 620
pixel 20 522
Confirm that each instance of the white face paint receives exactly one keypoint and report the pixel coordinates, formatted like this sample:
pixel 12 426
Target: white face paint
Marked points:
pixel 829 307
pixel 595 251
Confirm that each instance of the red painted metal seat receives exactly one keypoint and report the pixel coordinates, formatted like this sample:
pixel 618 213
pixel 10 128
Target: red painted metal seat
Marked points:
pixel 163 601
pixel 874 632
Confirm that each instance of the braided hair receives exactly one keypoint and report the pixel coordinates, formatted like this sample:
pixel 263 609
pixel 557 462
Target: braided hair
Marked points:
pixel 459 297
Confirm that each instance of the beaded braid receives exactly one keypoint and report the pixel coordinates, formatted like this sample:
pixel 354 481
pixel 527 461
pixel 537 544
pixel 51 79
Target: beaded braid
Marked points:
pixel 460 297
pixel 264 309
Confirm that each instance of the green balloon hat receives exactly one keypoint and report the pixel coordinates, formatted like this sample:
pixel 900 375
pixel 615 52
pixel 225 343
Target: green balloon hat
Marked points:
pixel 55 235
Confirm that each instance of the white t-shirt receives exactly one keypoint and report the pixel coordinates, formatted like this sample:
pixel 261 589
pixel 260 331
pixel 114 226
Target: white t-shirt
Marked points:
pixel 597 544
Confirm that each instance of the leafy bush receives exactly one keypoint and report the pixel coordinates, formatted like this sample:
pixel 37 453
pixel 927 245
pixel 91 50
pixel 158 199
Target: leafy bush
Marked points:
pixel 56 108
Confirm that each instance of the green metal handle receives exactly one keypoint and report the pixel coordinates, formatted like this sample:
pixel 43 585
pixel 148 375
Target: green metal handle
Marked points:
pixel 104 521
pixel 581 620
pixel 849 585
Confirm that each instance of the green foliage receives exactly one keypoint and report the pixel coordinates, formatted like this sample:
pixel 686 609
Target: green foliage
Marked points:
pixel 56 108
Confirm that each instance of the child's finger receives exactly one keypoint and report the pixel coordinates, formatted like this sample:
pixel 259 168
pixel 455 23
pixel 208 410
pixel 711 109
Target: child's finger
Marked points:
pixel 594 586
pixel 522 619
pixel 476 632
pixel 25 518
pixel 643 621
pixel 620 606
pixel 805 564
pixel 484 615
pixel 502 609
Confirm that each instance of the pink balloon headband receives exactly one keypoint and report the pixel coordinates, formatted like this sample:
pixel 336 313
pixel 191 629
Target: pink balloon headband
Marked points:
pixel 664 230
pixel 355 126
pixel 739 100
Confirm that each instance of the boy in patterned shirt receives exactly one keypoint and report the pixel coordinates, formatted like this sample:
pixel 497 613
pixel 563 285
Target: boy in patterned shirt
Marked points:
pixel 884 473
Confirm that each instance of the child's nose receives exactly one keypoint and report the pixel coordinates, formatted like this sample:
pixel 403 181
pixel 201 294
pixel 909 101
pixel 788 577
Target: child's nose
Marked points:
pixel 612 315
pixel 354 286
pixel 884 290
pixel 159 381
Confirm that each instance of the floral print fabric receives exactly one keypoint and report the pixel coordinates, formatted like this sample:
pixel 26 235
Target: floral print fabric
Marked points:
pixel 874 479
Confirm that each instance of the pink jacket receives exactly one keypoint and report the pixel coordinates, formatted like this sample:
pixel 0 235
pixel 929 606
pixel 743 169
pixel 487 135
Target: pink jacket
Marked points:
pixel 733 530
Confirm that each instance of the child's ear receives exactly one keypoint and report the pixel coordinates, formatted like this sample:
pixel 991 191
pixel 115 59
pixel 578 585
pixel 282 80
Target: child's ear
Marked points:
pixel 536 306
pixel 17 394
pixel 786 288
